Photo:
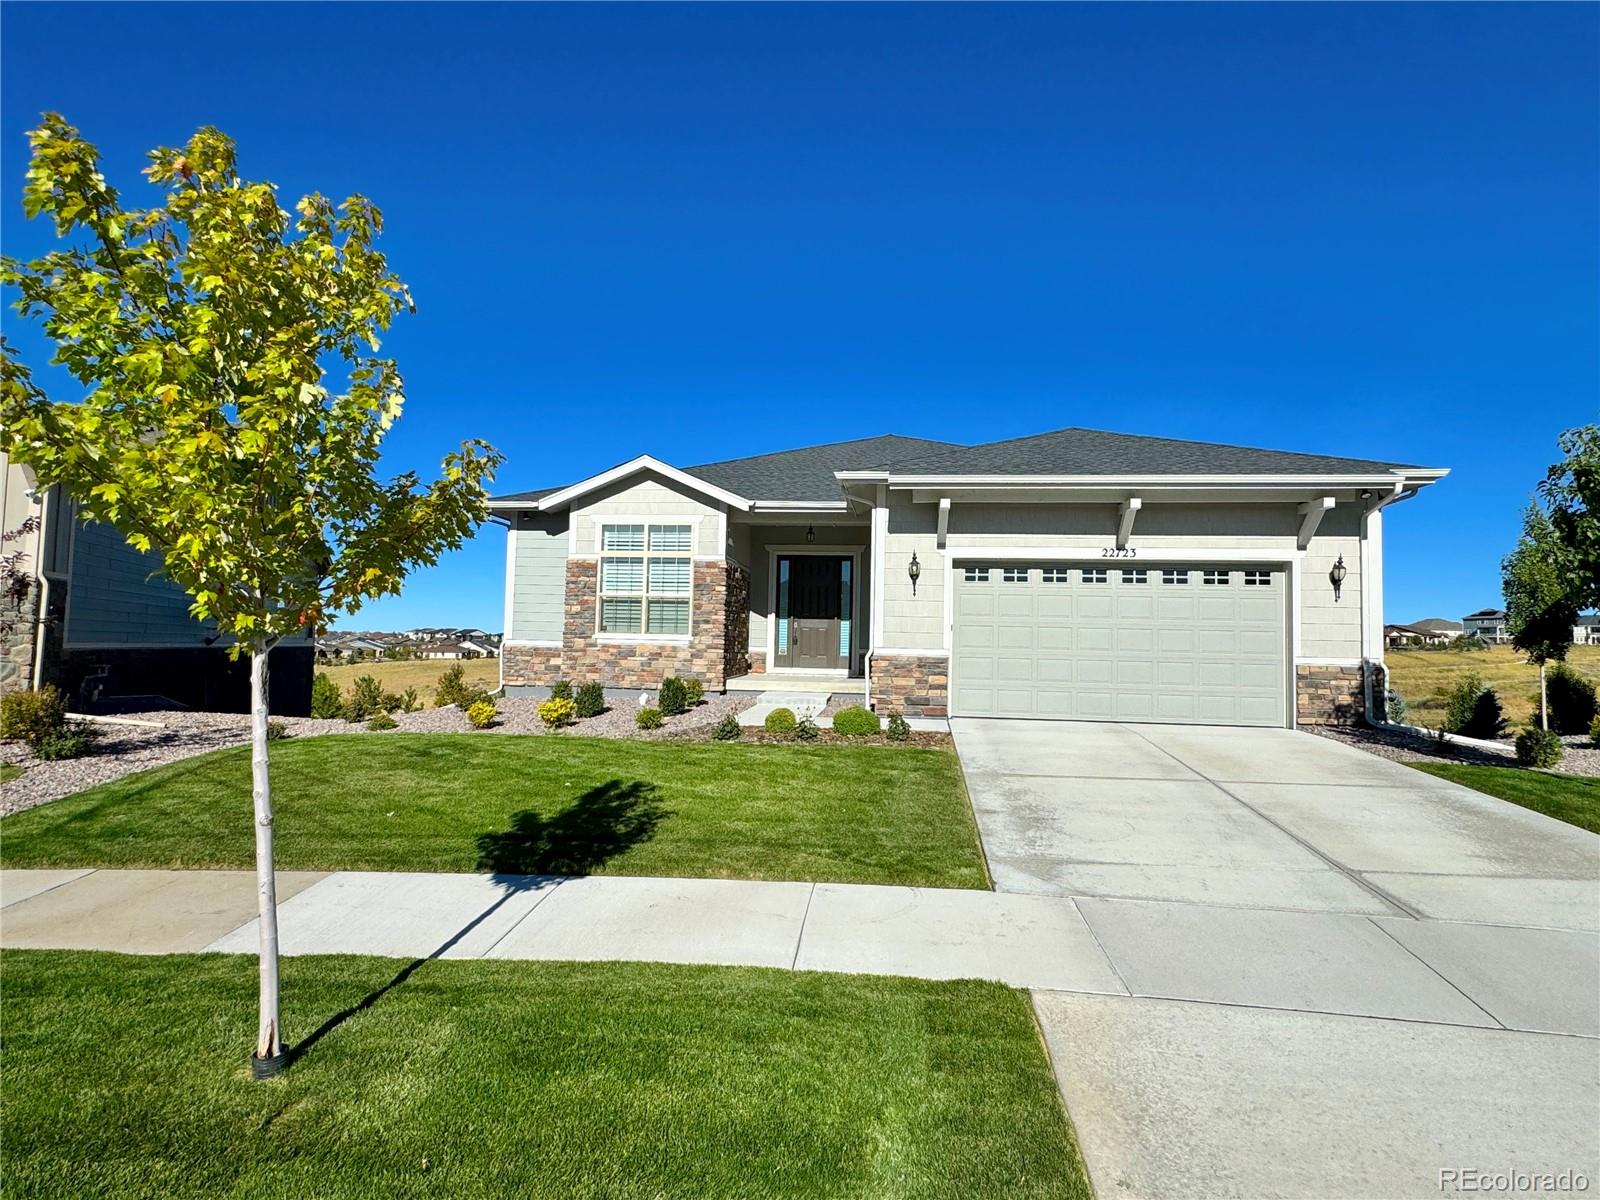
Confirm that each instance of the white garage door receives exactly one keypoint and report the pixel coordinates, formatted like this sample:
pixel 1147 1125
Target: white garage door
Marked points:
pixel 1192 644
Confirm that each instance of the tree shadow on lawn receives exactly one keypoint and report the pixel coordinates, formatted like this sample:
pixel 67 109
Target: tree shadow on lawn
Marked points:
pixel 604 822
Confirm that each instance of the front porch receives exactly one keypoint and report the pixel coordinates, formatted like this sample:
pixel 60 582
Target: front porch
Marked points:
pixel 854 686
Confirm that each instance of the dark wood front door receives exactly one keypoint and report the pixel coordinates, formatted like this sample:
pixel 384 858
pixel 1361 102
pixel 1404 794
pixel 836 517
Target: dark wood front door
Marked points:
pixel 815 596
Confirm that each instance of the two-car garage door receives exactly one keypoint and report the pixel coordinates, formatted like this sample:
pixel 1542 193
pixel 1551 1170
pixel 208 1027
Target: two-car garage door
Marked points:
pixel 1183 643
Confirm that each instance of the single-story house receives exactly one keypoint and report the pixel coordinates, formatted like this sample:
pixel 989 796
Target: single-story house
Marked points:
pixel 1487 623
pixel 1587 631
pixel 97 618
pixel 1447 629
pixel 1073 574
pixel 1418 634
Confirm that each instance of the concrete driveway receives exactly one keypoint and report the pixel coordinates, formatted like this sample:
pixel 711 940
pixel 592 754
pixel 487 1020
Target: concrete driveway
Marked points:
pixel 1344 977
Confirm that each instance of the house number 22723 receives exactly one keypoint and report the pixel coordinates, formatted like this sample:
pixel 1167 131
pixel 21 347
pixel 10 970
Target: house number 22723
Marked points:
pixel 1119 552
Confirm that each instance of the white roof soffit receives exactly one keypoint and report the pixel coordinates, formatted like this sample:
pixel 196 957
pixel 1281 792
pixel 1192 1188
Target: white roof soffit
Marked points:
pixel 559 500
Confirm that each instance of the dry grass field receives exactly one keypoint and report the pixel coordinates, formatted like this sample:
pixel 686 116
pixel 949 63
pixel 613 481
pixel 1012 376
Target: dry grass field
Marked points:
pixel 422 674
pixel 1421 676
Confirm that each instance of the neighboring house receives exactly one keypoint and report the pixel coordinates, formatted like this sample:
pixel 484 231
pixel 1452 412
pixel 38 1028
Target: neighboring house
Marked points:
pixel 1487 623
pixel 472 648
pixel 1587 631
pixel 1449 630
pixel 1421 633
pixel 446 648
pixel 1074 574
pixel 101 622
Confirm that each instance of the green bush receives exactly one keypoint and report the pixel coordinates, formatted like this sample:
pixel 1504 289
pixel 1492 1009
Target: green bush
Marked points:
pixel 33 716
pixel 855 721
pixel 558 711
pixel 326 702
pixel 727 729
pixel 806 730
pixel 1539 747
pixel 561 689
pixel 276 731
pixel 898 730
pixel 1394 707
pixel 66 743
pixel 590 700
pixel 410 701
pixel 382 721
pixel 694 692
pixel 1473 710
pixel 673 697
pixel 780 721
pixel 1594 733
pixel 365 700
pixel 452 687
pixel 650 718
pixel 481 713
pixel 1571 698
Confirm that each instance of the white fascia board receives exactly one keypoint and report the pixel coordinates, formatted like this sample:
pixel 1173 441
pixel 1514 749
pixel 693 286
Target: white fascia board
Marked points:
pixel 645 462
pixel 799 506
pixel 1388 479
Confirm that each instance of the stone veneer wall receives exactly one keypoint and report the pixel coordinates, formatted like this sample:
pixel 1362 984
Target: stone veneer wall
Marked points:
pixel 758 662
pixel 1328 695
pixel 721 590
pixel 911 685
pixel 530 666
pixel 736 622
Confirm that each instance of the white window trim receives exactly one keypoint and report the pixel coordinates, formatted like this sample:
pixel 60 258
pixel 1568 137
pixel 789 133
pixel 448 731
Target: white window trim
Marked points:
pixel 644 636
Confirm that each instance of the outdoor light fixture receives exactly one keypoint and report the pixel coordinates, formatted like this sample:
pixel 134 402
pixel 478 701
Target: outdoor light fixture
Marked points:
pixel 914 569
pixel 1336 576
pixel 811 534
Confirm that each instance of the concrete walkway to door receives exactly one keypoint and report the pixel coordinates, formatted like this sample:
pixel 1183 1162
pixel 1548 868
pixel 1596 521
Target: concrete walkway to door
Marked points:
pixel 1282 910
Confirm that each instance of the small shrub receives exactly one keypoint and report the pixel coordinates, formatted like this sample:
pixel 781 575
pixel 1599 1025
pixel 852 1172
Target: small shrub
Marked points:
pixel 389 702
pixel 561 689
pixel 1539 747
pixel 898 730
pixel 590 700
pixel 481 713
pixel 1571 698
pixel 1594 733
pixel 650 718
pixel 806 730
pixel 558 712
pixel 66 743
pixel 326 702
pixel 780 721
pixel 276 731
pixel 33 716
pixel 1395 708
pixel 452 687
pixel 410 701
pixel 1473 710
pixel 727 729
pixel 855 721
pixel 674 697
pixel 382 721
pixel 1458 701
pixel 365 700
pixel 694 691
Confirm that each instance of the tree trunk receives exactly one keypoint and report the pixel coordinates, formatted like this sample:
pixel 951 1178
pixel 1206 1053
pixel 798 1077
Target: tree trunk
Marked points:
pixel 1544 701
pixel 269 1045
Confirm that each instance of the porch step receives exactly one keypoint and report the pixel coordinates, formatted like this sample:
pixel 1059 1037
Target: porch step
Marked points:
pixel 838 685
pixel 801 704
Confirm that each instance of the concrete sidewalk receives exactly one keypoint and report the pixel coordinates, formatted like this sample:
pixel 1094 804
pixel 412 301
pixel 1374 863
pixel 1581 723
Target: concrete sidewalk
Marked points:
pixel 1342 963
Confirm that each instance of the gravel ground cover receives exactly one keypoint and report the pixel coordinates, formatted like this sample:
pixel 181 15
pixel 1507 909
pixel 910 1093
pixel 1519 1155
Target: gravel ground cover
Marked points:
pixel 162 737
pixel 1582 757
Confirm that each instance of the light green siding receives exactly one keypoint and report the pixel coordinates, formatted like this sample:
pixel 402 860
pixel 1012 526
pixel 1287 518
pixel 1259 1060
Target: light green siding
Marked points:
pixel 538 578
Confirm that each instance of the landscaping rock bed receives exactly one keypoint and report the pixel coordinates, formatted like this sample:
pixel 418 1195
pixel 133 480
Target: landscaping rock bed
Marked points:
pixel 1581 757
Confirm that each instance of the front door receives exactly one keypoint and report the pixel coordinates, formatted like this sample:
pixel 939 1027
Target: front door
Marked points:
pixel 814 603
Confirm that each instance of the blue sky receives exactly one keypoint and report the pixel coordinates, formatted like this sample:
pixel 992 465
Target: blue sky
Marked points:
pixel 711 231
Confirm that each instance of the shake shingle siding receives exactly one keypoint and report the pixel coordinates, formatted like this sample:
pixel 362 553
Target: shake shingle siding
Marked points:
pixel 118 597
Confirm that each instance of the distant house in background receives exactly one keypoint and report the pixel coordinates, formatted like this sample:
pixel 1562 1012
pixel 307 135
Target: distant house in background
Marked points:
pixel 1487 623
pixel 1416 635
pixel 1587 631
pixel 1438 625
pixel 101 622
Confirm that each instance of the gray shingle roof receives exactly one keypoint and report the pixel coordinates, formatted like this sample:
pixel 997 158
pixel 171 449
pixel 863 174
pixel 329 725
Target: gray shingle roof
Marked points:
pixel 1095 452
pixel 807 473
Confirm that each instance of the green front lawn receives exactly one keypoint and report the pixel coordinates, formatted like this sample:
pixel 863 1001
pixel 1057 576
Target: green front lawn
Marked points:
pixel 533 805
pixel 1570 798
pixel 125 1077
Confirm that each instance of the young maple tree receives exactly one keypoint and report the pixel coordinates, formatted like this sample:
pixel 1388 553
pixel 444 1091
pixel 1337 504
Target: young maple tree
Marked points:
pixel 209 430
pixel 1540 610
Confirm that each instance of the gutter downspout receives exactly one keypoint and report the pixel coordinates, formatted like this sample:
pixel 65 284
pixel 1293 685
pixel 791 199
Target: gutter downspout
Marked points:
pixel 42 613
pixel 500 665
pixel 1368 708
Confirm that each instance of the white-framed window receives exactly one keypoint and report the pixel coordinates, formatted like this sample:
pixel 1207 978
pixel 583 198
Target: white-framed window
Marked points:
pixel 646 576
pixel 1094 575
pixel 975 574
pixel 1257 578
pixel 1056 575
pixel 1214 578
pixel 1137 575
pixel 1014 575
pixel 1177 577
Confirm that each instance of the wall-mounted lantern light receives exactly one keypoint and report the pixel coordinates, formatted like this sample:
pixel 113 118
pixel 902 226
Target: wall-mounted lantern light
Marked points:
pixel 914 569
pixel 1336 576
pixel 811 533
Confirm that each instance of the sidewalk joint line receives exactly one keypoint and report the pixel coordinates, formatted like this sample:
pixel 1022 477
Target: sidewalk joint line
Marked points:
pixel 801 935
pixel 1450 983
